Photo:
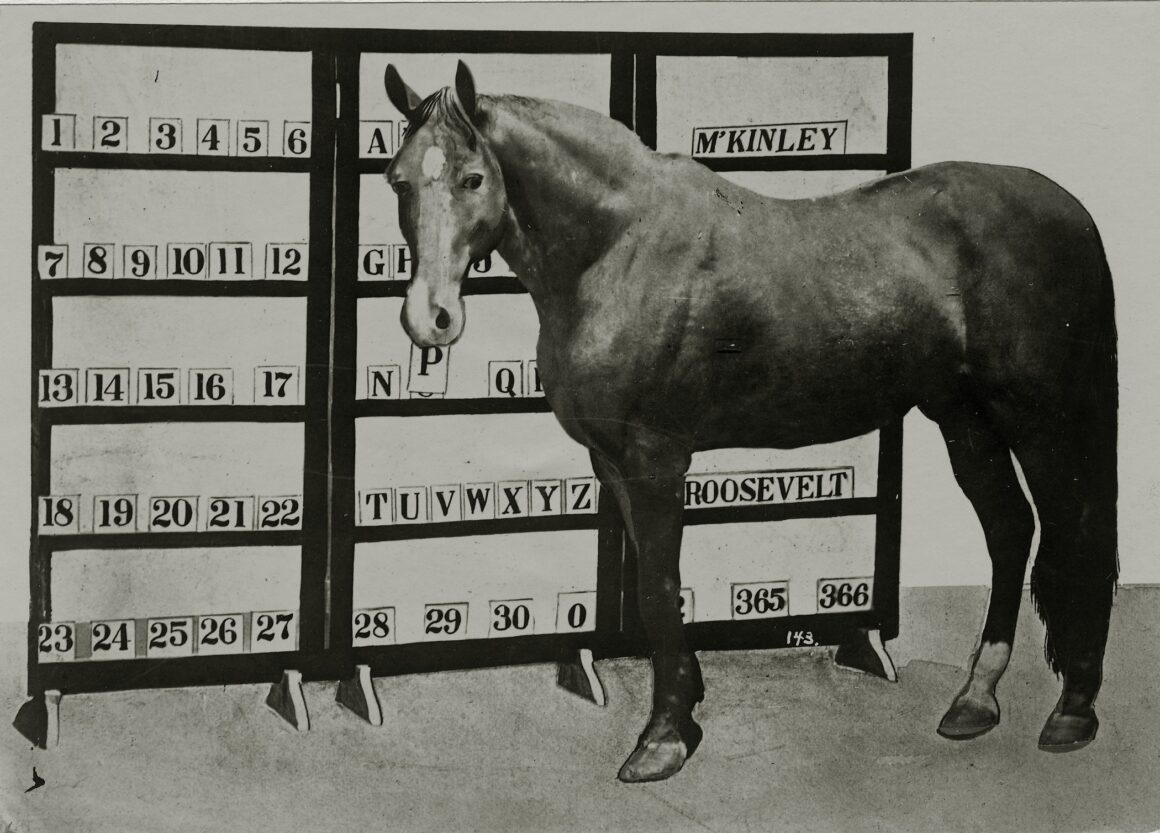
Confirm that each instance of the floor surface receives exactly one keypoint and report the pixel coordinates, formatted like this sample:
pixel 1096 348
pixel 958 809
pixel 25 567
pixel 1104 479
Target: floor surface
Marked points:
pixel 791 744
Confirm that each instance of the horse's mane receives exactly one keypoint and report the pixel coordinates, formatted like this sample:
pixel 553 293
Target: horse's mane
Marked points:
pixel 576 125
pixel 565 120
pixel 445 104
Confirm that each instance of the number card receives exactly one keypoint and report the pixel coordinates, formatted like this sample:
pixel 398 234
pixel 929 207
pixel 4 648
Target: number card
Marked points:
pixel 483 267
pixel 158 386
pixel 274 630
pixel 376 507
pixel 374 262
pixel 446 503
pixel 229 514
pixel 115 513
pixel 59 514
pixel 57 642
pixel 253 138
pixel 97 260
pixel 429 367
pixel 842 594
pixel 580 495
pixel 760 600
pixel 107 386
pixel 114 639
pixel 231 261
pixel 211 386
pixel 512 617
pixel 505 379
pixel 169 637
pixel 512 499
pixel 373 626
pixel 173 514
pixel 165 135
pixel 185 261
pixel 110 134
pixel 384 381
pixel 276 385
pixel 286 261
pixel 58 131
pixel 576 611
pixel 375 139
pixel 533 386
pixel 139 262
pixel 401 262
pixel 58 387
pixel 686 603
pixel 478 501
pixel 296 138
pixel 411 505
pixel 220 634
pixel 280 512
pixel 213 137
pixel 445 621
pixel 546 498
pixel 52 261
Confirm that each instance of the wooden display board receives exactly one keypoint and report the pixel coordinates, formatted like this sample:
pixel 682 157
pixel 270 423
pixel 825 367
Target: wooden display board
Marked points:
pixel 242 464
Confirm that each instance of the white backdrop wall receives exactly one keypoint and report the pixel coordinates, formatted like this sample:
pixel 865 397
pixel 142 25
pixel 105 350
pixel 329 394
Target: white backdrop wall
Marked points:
pixel 1067 89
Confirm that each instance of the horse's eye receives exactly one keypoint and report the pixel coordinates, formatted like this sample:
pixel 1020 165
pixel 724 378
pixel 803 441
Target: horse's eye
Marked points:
pixel 401 188
pixel 473 182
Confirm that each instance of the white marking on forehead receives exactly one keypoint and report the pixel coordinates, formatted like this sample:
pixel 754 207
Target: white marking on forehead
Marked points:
pixel 434 162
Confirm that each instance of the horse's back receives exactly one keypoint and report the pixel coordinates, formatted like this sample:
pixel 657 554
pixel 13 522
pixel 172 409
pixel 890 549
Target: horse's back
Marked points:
pixel 850 309
pixel 1028 267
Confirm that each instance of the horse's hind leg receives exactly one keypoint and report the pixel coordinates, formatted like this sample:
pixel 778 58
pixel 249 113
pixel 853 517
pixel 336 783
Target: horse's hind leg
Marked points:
pixel 983 468
pixel 648 482
pixel 1074 576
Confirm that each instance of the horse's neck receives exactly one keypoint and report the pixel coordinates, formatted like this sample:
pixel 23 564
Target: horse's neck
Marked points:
pixel 568 173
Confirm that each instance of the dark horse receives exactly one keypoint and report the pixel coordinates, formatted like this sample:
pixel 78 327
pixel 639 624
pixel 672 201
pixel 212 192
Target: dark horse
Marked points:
pixel 978 294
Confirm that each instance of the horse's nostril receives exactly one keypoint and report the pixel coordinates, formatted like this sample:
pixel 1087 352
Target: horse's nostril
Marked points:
pixel 443 319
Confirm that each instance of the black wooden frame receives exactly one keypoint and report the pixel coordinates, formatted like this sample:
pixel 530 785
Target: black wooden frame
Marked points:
pixel 329 532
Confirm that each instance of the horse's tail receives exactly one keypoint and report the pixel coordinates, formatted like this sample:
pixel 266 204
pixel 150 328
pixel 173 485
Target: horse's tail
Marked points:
pixel 1073 594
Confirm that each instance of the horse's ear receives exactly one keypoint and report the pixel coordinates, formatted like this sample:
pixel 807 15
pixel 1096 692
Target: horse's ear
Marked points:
pixel 465 89
pixel 405 99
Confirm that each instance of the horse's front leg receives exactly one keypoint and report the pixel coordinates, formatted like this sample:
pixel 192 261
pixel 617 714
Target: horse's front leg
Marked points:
pixel 649 487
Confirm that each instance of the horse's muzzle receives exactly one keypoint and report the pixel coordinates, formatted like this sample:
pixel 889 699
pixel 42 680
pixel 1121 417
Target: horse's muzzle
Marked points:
pixel 433 319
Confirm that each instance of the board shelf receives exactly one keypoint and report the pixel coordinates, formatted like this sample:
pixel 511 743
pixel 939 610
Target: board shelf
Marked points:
pixel 260 288
pixel 832 162
pixel 828 162
pixel 462 529
pixel 170 540
pixel 133 414
pixel 144 673
pixel 861 506
pixel 840 508
pixel 450 407
pixel 173 162
pixel 498 285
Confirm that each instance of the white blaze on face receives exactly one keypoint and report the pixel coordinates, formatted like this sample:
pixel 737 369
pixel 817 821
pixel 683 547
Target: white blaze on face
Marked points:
pixel 433 162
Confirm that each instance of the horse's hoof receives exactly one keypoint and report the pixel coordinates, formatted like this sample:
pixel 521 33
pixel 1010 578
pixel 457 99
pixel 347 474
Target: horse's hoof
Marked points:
pixel 969 718
pixel 1068 732
pixel 656 760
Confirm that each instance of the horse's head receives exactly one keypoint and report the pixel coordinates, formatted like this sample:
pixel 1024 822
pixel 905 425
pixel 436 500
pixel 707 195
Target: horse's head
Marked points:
pixel 451 202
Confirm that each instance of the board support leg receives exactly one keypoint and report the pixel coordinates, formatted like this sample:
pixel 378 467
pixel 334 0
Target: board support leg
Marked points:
pixel 288 702
pixel 358 694
pixel 865 652
pixel 578 675
pixel 39 719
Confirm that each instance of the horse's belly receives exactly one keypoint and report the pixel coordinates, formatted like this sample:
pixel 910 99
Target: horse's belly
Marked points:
pixel 829 386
